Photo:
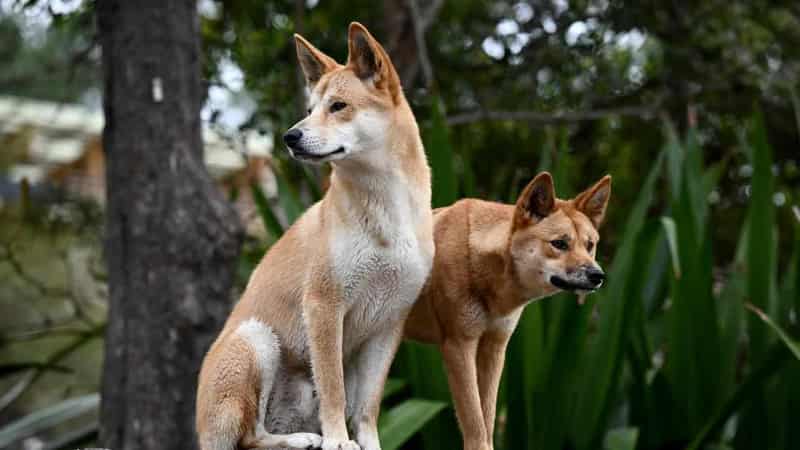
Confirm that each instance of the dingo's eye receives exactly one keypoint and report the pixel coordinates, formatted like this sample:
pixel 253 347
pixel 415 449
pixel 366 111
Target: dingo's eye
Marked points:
pixel 338 106
pixel 560 244
pixel 589 246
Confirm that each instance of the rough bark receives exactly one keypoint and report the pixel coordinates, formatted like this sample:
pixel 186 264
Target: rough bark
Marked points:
pixel 172 240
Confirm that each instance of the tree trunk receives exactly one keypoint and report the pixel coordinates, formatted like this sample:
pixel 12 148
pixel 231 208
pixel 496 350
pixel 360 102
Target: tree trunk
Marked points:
pixel 172 240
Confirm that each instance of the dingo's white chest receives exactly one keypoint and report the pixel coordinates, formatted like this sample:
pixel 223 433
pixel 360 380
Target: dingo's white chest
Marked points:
pixel 380 278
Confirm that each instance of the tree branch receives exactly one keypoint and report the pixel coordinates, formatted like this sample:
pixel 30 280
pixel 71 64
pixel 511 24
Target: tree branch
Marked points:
pixel 418 22
pixel 427 18
pixel 9 257
pixel 645 112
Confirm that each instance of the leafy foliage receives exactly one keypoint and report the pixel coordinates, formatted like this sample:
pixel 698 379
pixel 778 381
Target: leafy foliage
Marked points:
pixel 666 355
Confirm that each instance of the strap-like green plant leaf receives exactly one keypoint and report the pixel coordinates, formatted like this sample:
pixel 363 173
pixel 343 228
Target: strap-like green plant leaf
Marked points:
pixel 393 386
pixel 271 223
pixel 604 362
pixel 793 345
pixel 46 418
pixel 747 390
pixel 440 156
pixel 288 198
pixel 692 328
pixel 621 439
pixel 761 219
pixel 400 423
pixel 14 368
pixel 422 368
pixel 312 183
pixel 672 240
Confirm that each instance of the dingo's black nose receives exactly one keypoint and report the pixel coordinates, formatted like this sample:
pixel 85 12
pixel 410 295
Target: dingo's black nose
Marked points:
pixel 292 137
pixel 595 276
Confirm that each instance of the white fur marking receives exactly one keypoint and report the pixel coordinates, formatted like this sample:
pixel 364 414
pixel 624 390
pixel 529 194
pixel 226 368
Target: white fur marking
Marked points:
pixel 267 352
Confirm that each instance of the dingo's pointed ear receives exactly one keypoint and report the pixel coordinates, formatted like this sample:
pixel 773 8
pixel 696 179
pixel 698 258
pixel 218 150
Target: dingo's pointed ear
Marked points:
pixel 537 200
pixel 593 201
pixel 370 61
pixel 313 62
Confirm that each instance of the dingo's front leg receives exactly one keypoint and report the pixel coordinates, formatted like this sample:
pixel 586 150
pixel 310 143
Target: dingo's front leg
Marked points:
pixel 374 361
pixel 459 358
pixel 491 358
pixel 324 319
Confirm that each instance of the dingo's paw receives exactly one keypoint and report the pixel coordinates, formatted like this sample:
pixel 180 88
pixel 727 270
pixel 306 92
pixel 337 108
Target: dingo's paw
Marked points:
pixel 336 444
pixel 369 440
pixel 304 440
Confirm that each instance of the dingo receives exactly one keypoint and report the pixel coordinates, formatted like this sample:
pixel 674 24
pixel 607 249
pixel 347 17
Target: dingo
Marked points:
pixel 330 298
pixel 491 260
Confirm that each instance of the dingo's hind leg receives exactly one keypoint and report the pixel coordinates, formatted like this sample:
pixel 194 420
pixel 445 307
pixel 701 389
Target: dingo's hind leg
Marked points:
pixel 266 349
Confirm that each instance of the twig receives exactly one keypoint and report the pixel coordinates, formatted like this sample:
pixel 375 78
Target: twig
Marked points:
pixel 426 20
pixel 646 113
pixel 417 21
pixel 51 361
pixel 32 335
pixel 17 390
pixel 15 264
pixel 77 436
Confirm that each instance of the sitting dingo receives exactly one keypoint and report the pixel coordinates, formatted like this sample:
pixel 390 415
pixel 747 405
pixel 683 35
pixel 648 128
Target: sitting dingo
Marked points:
pixel 329 299
pixel 491 260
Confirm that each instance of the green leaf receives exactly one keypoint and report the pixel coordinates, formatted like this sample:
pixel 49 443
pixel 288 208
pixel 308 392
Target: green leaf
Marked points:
pixel 14 368
pixel 672 240
pixel 393 386
pixel 795 104
pixel 271 223
pixel 43 419
pixel 793 345
pixel 312 183
pixel 400 423
pixel 604 362
pixel 440 156
pixel 525 350
pixel 692 322
pixel 621 439
pixel 749 390
pixel 761 242
pixel 422 368
pixel 790 288
pixel 288 198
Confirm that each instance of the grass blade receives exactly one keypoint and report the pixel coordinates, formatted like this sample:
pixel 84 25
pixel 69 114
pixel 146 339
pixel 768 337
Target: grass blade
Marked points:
pixel 621 439
pixel 271 222
pixel 748 390
pixel 672 240
pixel 791 344
pixel 440 156
pixel 400 423
pixel 422 367
pixel 393 386
pixel 312 183
pixel 605 360
pixel 287 198
pixel 761 248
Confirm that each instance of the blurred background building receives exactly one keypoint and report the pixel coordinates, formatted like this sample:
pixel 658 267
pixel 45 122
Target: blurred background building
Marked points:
pixel 58 146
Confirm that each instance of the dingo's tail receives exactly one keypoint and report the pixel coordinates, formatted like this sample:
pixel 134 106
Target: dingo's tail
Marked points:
pixel 235 386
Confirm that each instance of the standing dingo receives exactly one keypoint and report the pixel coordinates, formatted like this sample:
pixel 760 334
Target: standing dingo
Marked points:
pixel 492 260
